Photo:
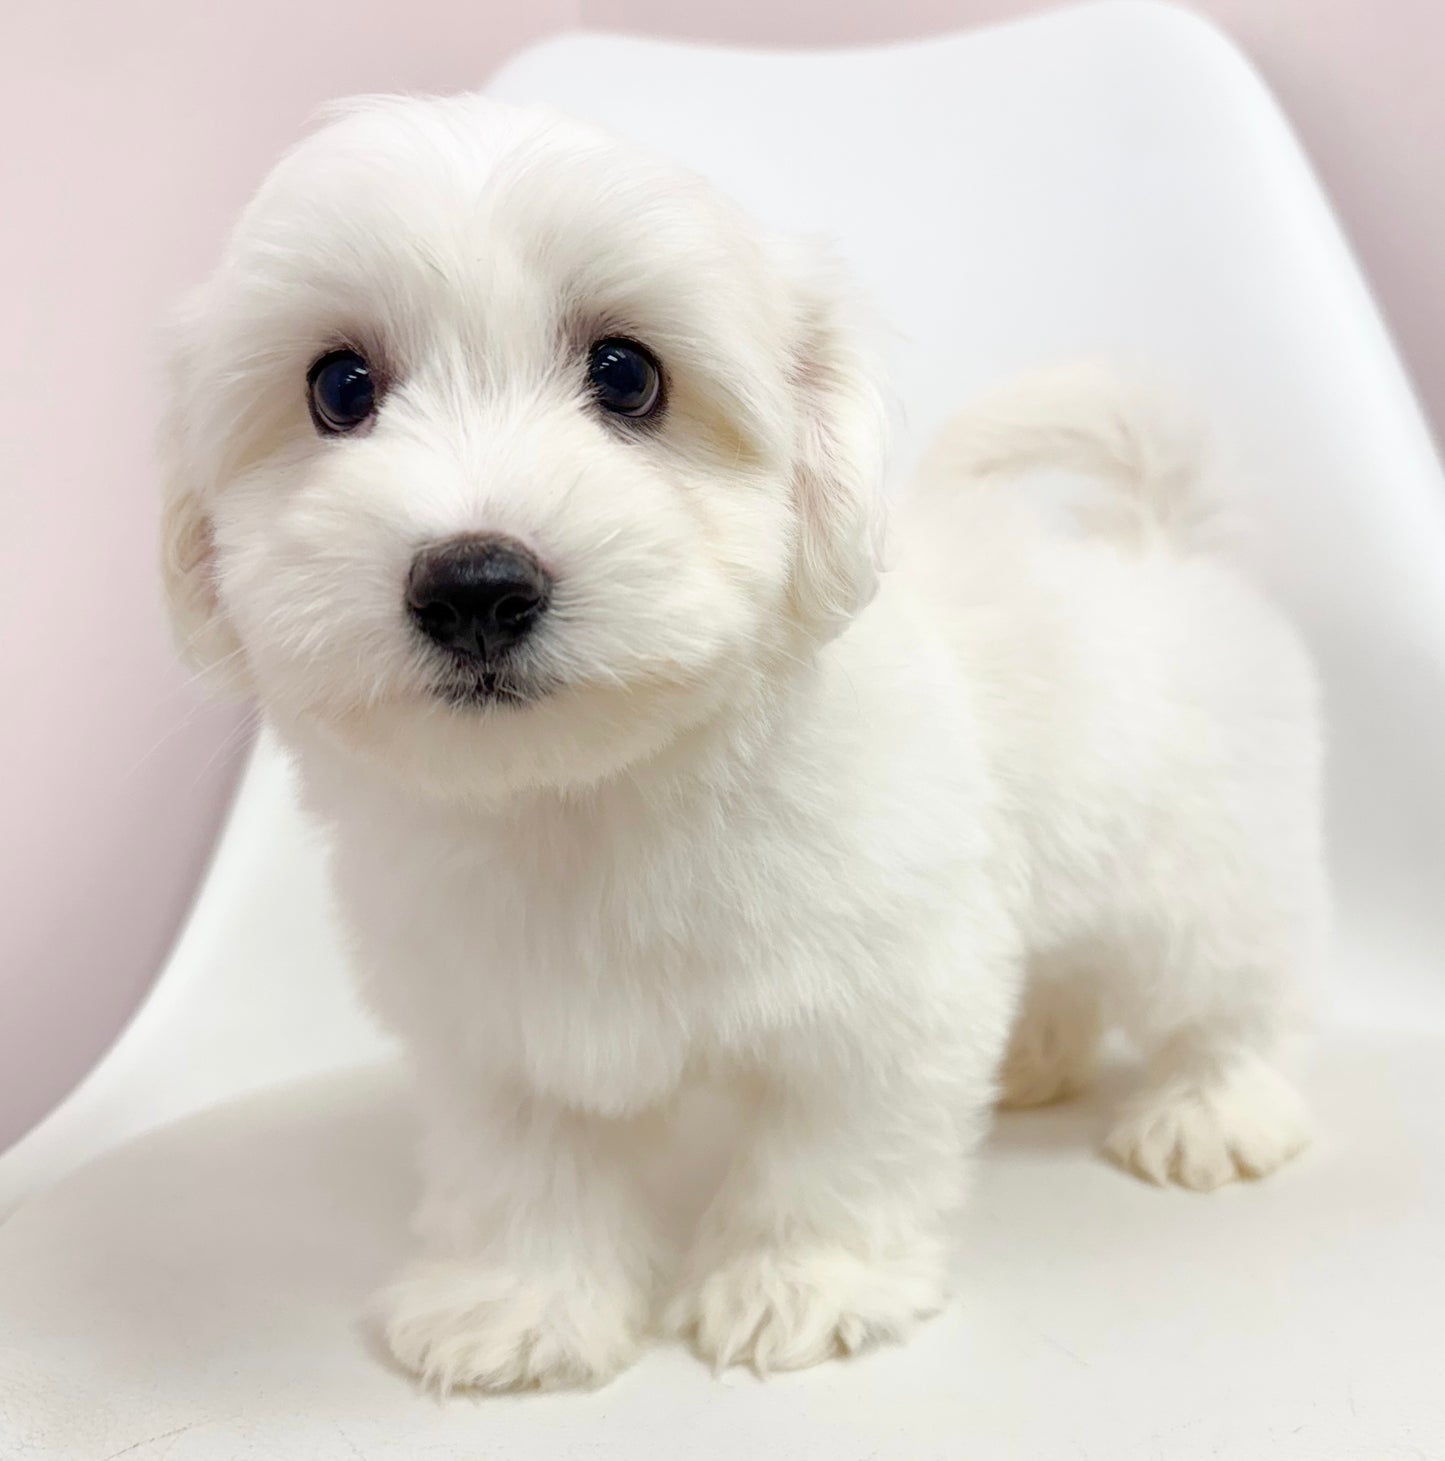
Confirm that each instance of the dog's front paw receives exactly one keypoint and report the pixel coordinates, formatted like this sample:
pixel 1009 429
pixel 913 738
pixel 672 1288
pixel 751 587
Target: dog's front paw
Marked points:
pixel 466 1324
pixel 785 1309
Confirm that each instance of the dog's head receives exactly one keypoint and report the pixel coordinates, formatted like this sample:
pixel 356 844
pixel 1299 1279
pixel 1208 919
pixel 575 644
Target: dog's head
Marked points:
pixel 502 454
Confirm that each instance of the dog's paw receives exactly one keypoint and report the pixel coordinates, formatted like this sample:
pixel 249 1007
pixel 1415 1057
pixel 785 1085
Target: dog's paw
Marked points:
pixel 456 1324
pixel 1204 1133
pixel 786 1309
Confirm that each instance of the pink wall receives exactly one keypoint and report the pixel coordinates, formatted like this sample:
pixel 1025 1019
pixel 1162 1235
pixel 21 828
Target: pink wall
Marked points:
pixel 133 133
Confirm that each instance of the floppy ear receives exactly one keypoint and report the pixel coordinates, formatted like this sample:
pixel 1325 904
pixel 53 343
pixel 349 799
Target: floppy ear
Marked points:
pixel 837 472
pixel 187 554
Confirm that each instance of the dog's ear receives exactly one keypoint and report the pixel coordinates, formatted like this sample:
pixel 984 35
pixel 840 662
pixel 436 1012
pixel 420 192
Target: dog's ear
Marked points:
pixel 187 551
pixel 838 465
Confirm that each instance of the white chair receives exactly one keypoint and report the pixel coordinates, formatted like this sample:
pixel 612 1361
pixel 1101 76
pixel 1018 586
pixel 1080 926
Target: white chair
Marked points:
pixel 1112 179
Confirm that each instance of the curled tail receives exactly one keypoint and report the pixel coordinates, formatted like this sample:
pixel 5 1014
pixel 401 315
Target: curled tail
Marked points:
pixel 1084 420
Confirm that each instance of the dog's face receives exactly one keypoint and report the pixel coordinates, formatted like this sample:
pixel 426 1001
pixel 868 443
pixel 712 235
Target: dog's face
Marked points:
pixel 501 455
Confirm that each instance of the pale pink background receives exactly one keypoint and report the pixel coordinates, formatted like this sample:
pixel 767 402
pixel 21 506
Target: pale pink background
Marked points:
pixel 132 133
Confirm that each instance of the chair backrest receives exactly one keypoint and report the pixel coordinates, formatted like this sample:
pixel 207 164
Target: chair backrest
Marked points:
pixel 1115 180
pixel 1108 180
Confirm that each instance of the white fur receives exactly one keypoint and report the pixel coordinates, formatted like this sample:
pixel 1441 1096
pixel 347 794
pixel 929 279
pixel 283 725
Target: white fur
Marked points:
pixel 772 824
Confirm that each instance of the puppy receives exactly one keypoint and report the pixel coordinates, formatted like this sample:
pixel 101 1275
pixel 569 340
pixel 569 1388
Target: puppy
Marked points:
pixel 536 495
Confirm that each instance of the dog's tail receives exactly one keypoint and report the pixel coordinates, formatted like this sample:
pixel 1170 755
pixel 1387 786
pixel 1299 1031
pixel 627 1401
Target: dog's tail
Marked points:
pixel 1084 420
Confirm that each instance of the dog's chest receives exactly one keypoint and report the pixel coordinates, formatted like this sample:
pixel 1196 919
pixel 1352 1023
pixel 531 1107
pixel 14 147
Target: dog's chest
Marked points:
pixel 598 962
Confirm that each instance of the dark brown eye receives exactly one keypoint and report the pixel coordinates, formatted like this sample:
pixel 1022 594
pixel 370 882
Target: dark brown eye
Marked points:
pixel 342 392
pixel 625 378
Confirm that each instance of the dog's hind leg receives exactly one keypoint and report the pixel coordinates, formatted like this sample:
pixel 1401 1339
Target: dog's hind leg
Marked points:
pixel 1210 1110
pixel 1214 1103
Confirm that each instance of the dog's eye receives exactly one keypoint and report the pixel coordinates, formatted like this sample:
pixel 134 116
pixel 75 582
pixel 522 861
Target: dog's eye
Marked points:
pixel 342 392
pixel 625 377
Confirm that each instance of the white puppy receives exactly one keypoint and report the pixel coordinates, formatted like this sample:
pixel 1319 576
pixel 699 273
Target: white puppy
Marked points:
pixel 535 493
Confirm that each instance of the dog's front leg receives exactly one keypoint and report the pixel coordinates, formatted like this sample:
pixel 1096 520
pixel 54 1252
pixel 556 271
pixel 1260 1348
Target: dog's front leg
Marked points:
pixel 832 1231
pixel 539 1266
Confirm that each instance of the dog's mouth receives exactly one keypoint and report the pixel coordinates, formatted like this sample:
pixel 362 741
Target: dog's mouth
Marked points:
pixel 481 688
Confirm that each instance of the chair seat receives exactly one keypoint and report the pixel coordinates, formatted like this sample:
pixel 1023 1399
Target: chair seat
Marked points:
pixel 194 1296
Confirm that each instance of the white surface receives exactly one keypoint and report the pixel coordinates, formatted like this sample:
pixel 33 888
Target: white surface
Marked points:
pixel 255 992
pixel 193 1297
pixel 1111 180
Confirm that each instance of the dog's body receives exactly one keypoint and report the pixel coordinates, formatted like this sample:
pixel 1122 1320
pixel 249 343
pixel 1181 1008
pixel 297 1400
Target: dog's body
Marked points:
pixel 826 846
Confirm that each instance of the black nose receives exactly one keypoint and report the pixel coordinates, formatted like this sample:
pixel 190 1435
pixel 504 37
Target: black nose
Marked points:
pixel 477 595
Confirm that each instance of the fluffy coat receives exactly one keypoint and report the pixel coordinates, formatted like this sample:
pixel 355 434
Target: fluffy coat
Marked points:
pixel 871 848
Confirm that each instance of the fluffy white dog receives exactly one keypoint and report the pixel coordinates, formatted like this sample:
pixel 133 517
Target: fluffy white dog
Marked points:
pixel 536 495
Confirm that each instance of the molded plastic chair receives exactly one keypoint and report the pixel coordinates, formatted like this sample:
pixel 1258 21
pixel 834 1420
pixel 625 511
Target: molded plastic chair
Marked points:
pixel 1112 179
